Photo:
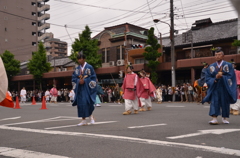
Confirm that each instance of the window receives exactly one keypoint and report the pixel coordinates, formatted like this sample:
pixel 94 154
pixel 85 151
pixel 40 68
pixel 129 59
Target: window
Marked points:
pixel 103 55
pixel 108 54
pixel 139 61
pixel 120 52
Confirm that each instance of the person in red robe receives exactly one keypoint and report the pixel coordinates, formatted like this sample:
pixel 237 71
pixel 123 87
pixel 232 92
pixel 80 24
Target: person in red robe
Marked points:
pixel 148 91
pixel 235 108
pixel 130 89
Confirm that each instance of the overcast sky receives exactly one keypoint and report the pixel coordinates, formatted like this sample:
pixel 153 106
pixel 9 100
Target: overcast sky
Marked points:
pixel 97 14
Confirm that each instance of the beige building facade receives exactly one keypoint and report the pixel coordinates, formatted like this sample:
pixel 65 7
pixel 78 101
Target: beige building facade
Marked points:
pixel 22 26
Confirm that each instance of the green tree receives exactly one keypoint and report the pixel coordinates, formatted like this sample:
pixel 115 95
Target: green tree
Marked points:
pixel 38 64
pixel 151 54
pixel 88 46
pixel 236 43
pixel 11 65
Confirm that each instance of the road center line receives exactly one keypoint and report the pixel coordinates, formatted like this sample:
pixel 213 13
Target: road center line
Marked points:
pixel 76 125
pixel 12 152
pixel 59 118
pixel 172 106
pixel 218 150
pixel 12 118
pixel 148 125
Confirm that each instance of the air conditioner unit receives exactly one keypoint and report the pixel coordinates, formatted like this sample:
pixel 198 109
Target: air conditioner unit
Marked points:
pixel 120 62
pixel 64 69
pixel 111 63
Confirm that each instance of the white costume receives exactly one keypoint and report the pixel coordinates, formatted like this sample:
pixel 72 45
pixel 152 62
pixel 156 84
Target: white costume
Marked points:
pixel 47 95
pixel 159 94
pixel 23 94
pixel 4 81
pixel 71 95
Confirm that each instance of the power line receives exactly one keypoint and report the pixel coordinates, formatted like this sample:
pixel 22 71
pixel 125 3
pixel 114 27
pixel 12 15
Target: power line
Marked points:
pixel 104 7
pixel 183 13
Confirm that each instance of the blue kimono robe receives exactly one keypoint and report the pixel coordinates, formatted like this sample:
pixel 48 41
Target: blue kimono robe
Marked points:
pixel 221 92
pixel 202 80
pixel 85 94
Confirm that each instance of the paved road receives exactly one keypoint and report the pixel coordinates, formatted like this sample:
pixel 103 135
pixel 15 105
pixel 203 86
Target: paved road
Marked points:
pixel 170 130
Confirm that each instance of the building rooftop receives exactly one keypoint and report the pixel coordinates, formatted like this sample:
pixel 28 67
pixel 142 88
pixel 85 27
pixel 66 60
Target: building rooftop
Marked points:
pixel 61 61
pixel 118 31
pixel 215 31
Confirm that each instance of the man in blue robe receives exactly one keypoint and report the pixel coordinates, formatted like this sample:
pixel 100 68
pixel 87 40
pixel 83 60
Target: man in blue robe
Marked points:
pixel 221 81
pixel 84 79
pixel 201 81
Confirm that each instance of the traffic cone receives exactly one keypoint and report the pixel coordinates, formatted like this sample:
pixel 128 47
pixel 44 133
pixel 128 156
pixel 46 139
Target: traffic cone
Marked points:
pixel 44 106
pixel 33 101
pixel 17 104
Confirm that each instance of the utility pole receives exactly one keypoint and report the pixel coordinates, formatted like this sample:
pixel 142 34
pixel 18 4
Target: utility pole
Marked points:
pixel 126 54
pixel 173 73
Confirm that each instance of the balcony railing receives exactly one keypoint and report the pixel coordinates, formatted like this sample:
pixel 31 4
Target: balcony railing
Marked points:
pixel 45 7
pixel 43 27
pixel 42 0
pixel 45 36
pixel 44 17
pixel 46 44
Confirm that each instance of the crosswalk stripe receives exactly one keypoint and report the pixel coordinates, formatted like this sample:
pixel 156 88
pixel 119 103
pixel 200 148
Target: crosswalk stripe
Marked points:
pixel 76 125
pixel 20 153
pixel 219 150
pixel 148 125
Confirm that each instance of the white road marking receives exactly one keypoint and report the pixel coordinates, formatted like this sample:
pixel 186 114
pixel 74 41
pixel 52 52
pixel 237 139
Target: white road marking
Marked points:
pixel 59 118
pixel 76 125
pixel 202 132
pixel 115 105
pixel 148 125
pixel 218 150
pixel 20 153
pixel 12 118
pixel 172 106
pixel 206 106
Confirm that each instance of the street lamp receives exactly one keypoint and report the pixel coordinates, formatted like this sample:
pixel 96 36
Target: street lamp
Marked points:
pixel 173 73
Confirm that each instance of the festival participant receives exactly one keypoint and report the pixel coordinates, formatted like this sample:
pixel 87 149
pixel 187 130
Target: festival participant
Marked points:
pixel 130 90
pixel 202 79
pixel 23 94
pixel 221 81
pixel 159 95
pixel 84 78
pixel 71 95
pixel 99 92
pixel 54 94
pixel 5 98
pixel 148 91
pixel 234 108
pixel 47 95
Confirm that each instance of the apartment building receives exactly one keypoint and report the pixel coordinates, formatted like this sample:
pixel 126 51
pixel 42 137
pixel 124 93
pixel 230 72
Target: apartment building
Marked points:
pixel 55 47
pixel 22 26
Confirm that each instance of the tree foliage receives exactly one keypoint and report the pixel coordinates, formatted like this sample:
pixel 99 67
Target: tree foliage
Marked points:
pixel 88 46
pixel 11 65
pixel 236 43
pixel 151 54
pixel 38 64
